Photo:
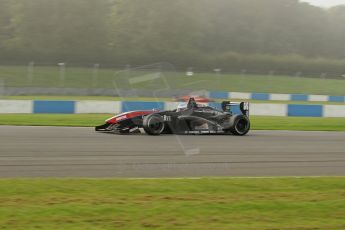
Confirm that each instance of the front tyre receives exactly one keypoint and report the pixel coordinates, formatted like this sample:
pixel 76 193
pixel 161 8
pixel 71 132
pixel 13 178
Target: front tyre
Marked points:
pixel 153 124
pixel 240 125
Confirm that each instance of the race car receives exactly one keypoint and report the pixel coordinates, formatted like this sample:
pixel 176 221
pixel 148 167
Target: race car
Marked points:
pixel 187 118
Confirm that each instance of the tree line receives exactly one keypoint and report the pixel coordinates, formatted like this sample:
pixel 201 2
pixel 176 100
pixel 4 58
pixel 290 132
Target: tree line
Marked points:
pixel 265 35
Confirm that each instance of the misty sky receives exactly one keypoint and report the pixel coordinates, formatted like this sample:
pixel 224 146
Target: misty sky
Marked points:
pixel 325 3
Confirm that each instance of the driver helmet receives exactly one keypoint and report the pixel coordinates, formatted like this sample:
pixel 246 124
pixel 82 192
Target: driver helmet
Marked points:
pixel 181 107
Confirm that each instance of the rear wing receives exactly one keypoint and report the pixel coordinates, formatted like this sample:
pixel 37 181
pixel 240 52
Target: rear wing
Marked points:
pixel 236 107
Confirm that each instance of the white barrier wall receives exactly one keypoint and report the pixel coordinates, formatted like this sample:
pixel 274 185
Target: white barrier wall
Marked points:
pixel 268 110
pixel 98 107
pixel 114 107
pixel 280 97
pixel 235 95
pixel 318 98
pixel 16 106
pixel 334 111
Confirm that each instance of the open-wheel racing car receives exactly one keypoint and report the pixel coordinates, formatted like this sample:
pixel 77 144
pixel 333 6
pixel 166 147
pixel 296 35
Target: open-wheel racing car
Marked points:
pixel 187 118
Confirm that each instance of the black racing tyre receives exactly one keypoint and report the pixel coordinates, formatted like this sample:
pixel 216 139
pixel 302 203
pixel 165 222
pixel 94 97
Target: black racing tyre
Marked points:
pixel 153 124
pixel 240 125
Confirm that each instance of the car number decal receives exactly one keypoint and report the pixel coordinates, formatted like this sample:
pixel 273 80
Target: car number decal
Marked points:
pixel 166 118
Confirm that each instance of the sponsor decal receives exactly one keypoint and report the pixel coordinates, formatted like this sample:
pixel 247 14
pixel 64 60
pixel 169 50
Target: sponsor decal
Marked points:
pixel 124 117
pixel 203 132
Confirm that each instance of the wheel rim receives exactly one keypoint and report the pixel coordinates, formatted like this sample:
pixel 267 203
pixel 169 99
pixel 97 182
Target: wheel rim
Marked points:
pixel 155 125
pixel 242 126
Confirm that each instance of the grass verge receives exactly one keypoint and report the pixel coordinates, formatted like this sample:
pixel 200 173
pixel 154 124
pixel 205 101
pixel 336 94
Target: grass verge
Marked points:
pixel 208 203
pixel 258 122
pixel 17 76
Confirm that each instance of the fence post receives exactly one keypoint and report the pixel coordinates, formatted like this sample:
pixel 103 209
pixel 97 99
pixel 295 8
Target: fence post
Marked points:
pixel 323 75
pixel 30 75
pixel 62 73
pixel 218 77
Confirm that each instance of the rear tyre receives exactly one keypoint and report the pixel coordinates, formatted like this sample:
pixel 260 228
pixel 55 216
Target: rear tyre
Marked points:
pixel 153 124
pixel 239 125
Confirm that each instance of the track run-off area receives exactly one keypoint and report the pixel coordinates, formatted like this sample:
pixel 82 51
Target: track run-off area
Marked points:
pixel 81 152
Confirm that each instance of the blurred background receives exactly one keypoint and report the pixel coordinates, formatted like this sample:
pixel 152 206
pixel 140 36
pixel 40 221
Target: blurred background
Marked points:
pixel 62 47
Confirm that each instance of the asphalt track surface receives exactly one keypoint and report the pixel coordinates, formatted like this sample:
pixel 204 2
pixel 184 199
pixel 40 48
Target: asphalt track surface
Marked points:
pixel 81 152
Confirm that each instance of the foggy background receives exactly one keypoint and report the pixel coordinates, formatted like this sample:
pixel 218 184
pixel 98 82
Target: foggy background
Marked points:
pixel 85 43
pixel 228 34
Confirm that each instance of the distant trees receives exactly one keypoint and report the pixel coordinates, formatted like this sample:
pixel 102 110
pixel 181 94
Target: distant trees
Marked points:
pixel 202 33
pixel 5 22
pixel 60 29
pixel 336 40
pixel 153 30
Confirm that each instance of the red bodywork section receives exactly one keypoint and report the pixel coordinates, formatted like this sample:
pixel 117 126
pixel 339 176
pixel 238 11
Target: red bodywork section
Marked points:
pixel 129 115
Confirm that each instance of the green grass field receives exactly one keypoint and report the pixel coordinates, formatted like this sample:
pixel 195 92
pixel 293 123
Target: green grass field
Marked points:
pixel 258 122
pixel 208 203
pixel 84 78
